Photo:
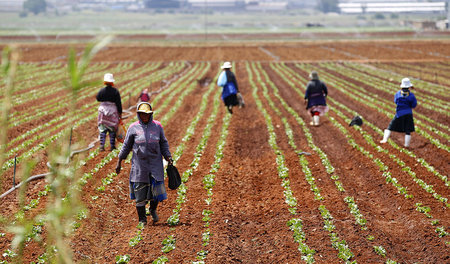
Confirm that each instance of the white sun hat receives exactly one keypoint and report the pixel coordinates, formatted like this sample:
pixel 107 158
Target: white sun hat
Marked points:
pixel 406 83
pixel 226 65
pixel 108 78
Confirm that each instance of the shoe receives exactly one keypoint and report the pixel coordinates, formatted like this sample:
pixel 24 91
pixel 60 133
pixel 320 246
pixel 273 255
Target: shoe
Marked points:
pixel 101 148
pixel 386 135
pixel 407 140
pixel 141 215
pixel 316 119
pixel 230 109
pixel 155 216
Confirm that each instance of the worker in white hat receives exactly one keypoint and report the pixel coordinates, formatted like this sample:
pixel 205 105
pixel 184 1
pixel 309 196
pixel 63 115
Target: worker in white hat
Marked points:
pixel 227 80
pixel 146 139
pixel 403 120
pixel 109 111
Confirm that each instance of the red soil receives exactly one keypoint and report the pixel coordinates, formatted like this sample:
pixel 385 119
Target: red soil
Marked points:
pixel 248 224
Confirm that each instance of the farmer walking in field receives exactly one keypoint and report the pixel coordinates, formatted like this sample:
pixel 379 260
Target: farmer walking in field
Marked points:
pixel 144 96
pixel 109 111
pixel 146 139
pixel 403 120
pixel 230 89
pixel 315 94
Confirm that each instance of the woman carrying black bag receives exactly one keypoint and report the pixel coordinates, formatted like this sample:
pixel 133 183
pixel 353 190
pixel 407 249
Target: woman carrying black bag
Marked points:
pixel 174 177
pixel 149 144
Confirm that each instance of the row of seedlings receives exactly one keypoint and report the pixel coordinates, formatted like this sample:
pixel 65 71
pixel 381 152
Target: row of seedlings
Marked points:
pixel 359 218
pixel 427 187
pixel 30 74
pixel 437 76
pixel 53 87
pixel 389 179
pixel 374 82
pixel 83 180
pixel 409 152
pixel 48 127
pixel 86 109
pixel 105 181
pixel 52 105
pixel 209 182
pixel 440 230
pixel 429 102
pixel 80 117
pixel 431 71
pixel 295 224
pixel 174 219
pixel 169 243
pixel 392 143
pixel 365 70
pixel 369 100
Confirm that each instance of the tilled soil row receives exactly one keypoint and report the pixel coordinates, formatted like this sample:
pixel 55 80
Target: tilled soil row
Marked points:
pixel 420 145
pixel 25 127
pixel 325 50
pixel 121 211
pixel 386 211
pixel 87 131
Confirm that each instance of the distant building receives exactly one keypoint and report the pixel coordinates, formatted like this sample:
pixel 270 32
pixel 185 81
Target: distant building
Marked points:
pixel 384 6
pixel 11 5
pixel 266 5
pixel 105 4
pixel 216 4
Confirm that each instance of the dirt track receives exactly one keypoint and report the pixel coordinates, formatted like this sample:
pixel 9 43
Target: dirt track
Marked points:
pixel 250 215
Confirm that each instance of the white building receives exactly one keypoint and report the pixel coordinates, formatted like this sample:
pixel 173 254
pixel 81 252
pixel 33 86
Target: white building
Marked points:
pixel 384 6
pixel 11 5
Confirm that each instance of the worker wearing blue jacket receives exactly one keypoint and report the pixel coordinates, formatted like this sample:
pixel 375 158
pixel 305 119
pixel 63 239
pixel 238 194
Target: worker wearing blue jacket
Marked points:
pixel 227 80
pixel 403 120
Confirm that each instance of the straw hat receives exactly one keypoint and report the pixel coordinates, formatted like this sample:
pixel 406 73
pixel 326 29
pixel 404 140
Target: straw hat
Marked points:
pixel 406 83
pixel 226 65
pixel 144 107
pixel 108 78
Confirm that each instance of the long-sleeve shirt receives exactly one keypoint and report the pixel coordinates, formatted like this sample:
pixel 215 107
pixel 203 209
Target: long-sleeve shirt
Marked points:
pixel 228 81
pixel 405 104
pixel 110 94
pixel 225 77
pixel 149 144
pixel 315 93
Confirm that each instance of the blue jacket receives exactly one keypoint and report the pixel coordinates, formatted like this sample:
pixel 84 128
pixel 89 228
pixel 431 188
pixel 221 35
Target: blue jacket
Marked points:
pixel 228 81
pixel 405 104
pixel 149 144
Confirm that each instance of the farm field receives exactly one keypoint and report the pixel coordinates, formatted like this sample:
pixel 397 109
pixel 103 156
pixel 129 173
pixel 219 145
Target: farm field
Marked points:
pixel 248 195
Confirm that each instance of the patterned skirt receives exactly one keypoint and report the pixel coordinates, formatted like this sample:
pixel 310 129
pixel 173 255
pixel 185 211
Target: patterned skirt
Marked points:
pixel 143 191
pixel 322 109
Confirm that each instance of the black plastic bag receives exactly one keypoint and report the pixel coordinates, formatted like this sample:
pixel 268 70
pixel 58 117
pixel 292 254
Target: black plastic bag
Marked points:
pixel 357 120
pixel 174 177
